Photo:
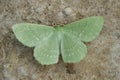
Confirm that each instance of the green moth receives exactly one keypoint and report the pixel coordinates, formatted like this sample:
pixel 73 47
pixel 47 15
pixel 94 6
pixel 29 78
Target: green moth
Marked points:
pixel 67 40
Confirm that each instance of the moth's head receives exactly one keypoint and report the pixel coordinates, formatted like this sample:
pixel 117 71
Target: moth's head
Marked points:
pixel 57 27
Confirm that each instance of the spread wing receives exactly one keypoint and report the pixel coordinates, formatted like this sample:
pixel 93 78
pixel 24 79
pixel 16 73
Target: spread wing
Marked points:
pixel 86 29
pixel 48 52
pixel 72 47
pixel 32 34
pixel 42 37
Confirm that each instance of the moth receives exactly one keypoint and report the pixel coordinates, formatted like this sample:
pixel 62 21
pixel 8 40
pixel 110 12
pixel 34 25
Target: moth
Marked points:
pixel 67 41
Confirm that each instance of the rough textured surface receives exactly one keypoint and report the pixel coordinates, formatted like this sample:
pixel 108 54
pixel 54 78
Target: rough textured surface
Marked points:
pixel 102 61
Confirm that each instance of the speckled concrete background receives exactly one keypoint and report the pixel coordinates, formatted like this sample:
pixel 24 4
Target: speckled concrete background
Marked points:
pixel 102 61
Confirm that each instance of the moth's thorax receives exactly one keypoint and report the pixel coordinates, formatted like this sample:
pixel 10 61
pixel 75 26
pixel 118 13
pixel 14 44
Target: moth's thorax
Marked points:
pixel 58 30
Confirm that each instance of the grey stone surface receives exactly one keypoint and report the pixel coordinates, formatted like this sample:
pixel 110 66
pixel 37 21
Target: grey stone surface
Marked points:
pixel 102 61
